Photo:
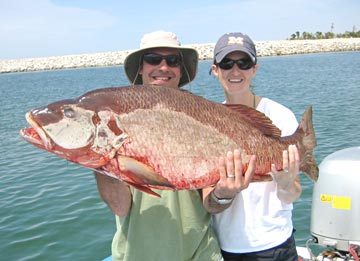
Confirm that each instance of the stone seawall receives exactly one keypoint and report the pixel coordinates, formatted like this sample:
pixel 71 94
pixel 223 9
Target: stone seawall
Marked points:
pixel 264 48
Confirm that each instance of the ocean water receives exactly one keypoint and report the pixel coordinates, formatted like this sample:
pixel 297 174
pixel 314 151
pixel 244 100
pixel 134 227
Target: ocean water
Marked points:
pixel 50 208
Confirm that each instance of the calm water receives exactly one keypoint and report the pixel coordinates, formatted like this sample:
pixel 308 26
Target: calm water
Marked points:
pixel 50 208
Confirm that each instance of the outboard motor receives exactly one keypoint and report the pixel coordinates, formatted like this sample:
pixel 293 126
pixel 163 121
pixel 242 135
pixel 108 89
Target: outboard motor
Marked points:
pixel 335 213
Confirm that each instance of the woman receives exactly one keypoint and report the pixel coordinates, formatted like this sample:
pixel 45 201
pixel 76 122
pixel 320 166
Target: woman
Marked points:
pixel 253 221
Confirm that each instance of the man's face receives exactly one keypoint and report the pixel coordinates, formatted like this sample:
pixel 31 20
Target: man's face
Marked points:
pixel 161 74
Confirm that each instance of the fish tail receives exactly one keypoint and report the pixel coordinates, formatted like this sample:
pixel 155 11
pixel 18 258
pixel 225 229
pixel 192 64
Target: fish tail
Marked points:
pixel 306 145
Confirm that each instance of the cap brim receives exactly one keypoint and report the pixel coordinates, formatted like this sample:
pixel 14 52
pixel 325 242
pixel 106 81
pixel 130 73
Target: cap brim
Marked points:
pixel 229 49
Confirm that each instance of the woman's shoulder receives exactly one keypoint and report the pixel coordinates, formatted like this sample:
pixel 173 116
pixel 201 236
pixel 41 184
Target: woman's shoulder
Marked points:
pixel 271 107
pixel 279 114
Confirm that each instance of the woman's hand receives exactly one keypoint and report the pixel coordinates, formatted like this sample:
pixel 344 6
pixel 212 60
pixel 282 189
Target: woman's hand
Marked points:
pixel 288 184
pixel 230 183
pixel 232 180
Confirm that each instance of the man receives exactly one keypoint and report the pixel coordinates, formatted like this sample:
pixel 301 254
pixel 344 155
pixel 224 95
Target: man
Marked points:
pixel 175 226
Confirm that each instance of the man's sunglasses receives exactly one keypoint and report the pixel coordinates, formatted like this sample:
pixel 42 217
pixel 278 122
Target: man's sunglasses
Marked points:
pixel 172 60
pixel 243 64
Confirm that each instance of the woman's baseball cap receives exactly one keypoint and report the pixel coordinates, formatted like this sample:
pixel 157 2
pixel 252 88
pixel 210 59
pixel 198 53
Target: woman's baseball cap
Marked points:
pixel 161 39
pixel 232 42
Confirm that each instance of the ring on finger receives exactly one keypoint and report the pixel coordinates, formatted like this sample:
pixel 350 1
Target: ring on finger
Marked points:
pixel 231 176
pixel 285 170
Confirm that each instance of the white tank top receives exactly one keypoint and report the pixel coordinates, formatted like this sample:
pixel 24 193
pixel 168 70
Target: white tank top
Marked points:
pixel 257 220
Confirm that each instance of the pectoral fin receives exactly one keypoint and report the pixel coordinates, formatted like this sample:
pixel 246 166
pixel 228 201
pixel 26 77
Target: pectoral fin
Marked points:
pixel 144 189
pixel 140 173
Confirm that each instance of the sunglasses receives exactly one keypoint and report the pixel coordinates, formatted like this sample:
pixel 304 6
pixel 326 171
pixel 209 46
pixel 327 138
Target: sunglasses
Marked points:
pixel 243 64
pixel 172 60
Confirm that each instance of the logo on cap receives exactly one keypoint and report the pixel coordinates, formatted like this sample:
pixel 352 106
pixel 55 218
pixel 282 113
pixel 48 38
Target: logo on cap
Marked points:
pixel 235 40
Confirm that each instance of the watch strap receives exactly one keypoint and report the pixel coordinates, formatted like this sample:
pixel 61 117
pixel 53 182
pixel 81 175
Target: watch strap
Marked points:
pixel 220 201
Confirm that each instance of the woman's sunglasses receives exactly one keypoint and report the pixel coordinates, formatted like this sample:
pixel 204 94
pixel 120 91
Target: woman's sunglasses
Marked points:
pixel 172 60
pixel 243 64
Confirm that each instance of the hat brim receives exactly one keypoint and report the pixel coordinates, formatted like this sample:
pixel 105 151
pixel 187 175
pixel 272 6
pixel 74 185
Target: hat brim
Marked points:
pixel 190 62
pixel 229 49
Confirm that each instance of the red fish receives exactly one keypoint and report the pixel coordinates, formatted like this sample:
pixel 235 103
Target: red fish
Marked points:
pixel 156 137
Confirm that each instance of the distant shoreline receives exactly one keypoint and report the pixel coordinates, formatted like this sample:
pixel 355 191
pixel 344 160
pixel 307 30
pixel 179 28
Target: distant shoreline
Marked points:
pixel 264 48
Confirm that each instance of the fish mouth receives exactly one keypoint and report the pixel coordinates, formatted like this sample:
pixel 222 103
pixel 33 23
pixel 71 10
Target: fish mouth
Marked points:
pixel 35 134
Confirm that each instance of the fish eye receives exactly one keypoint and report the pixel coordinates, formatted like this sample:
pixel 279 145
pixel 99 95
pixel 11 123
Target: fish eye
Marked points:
pixel 69 112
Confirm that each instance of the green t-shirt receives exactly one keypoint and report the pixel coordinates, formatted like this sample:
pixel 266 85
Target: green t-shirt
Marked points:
pixel 175 227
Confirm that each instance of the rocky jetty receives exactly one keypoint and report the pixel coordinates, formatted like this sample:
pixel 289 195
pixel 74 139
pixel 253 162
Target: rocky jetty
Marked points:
pixel 264 48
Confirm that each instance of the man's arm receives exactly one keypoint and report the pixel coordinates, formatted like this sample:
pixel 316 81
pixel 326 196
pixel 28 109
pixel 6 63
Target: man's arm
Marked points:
pixel 115 193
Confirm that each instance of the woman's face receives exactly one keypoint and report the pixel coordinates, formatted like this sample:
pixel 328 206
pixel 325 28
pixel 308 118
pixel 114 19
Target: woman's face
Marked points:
pixel 235 80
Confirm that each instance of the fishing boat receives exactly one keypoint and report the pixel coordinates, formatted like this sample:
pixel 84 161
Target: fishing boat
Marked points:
pixel 335 211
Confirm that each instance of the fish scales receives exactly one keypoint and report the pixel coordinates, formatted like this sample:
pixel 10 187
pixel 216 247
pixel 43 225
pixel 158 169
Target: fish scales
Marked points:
pixel 231 127
pixel 163 137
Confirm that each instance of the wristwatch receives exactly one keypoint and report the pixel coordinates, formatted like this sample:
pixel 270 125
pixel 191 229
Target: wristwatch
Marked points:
pixel 221 201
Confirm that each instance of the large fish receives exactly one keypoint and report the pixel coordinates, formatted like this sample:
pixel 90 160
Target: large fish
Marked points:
pixel 157 137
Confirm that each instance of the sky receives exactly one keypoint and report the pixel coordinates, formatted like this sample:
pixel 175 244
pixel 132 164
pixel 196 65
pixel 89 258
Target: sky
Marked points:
pixel 42 28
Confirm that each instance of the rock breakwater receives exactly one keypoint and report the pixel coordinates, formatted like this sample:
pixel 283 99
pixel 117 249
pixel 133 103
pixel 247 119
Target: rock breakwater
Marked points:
pixel 264 48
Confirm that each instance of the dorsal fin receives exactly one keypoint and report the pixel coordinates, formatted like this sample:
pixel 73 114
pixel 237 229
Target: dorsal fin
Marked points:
pixel 256 119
